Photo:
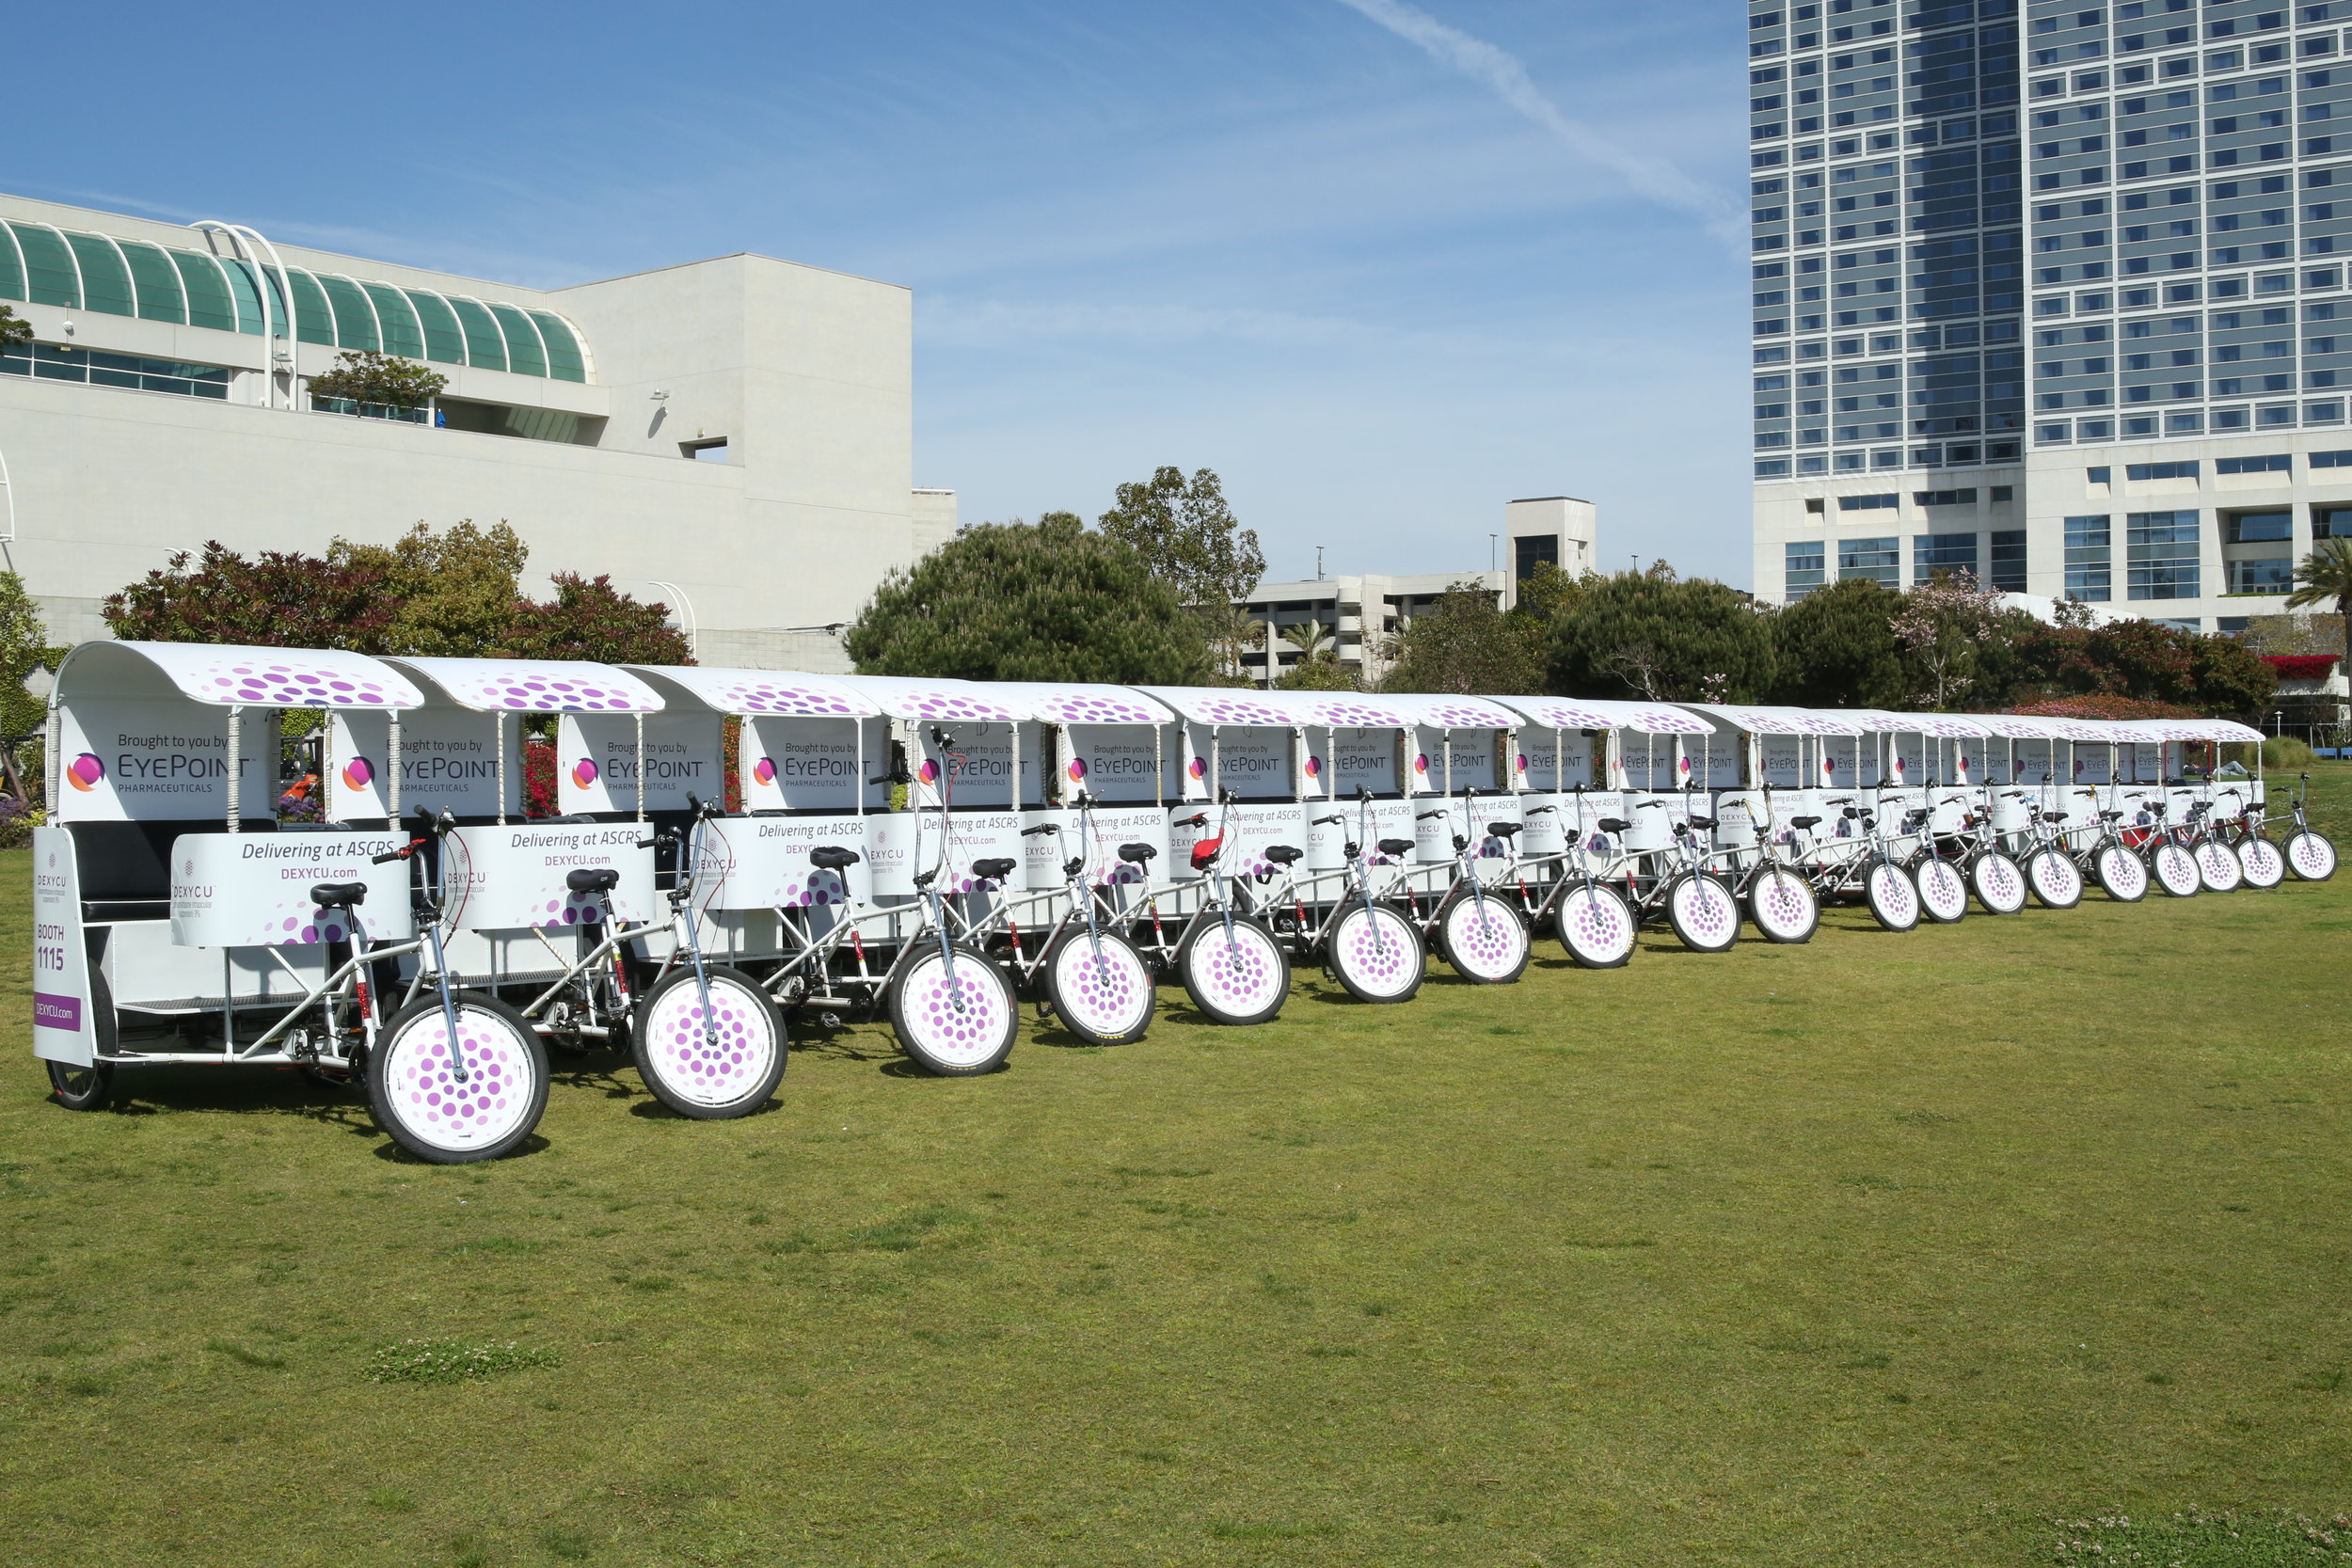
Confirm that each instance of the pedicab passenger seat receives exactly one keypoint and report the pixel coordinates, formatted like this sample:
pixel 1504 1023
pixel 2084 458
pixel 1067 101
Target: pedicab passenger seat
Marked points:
pixel 1284 854
pixel 125 868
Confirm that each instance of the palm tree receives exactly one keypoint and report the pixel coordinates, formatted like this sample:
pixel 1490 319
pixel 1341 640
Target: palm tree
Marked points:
pixel 1309 637
pixel 2327 574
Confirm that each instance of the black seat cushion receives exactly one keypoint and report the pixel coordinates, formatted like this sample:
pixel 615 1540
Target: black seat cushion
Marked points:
pixel 343 896
pixel 1136 854
pixel 1502 830
pixel 1613 824
pixel 602 881
pixel 125 868
pixel 995 870
pixel 831 857
pixel 1805 821
pixel 1396 846
pixel 1282 854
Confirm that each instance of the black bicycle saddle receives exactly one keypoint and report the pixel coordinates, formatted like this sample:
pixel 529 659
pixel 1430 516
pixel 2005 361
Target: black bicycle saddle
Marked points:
pixel 1396 846
pixel 995 870
pixel 1136 854
pixel 1284 854
pixel 593 882
pixel 831 857
pixel 340 895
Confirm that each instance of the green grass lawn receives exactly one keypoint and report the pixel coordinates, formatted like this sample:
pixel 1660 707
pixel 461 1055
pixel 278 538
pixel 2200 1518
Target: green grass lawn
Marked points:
pixel 1886 1249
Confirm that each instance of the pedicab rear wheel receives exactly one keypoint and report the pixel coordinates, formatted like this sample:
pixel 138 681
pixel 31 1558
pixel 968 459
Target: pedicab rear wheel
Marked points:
pixel 89 1087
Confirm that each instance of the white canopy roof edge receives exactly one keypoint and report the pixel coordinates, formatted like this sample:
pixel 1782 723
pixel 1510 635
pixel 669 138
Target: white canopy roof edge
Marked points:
pixel 1444 711
pixel 1606 713
pixel 1081 703
pixel 534 685
pixel 221 675
pixel 759 694
pixel 1761 720
pixel 1218 705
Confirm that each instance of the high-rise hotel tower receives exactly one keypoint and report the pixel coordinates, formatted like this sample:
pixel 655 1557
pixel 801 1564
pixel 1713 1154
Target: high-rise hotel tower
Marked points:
pixel 2053 293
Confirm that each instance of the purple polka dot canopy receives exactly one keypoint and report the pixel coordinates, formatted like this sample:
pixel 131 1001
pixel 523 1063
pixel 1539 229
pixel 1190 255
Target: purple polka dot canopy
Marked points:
pixel 537 686
pixel 277 677
pixel 773 694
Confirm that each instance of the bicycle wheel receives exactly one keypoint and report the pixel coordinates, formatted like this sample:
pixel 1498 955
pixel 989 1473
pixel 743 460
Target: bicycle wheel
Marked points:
pixel 1098 987
pixel 711 1067
pixel 2310 856
pixel 1943 892
pixel 955 1014
pixel 1376 953
pixel 420 1101
pixel 1783 905
pixel 90 1089
pixel 2216 867
pixel 1997 881
pixel 2260 860
pixel 1236 976
pixel 1483 940
pixel 1704 914
pixel 2056 881
pixel 2175 871
pixel 2122 875
pixel 1892 897
pixel 1595 927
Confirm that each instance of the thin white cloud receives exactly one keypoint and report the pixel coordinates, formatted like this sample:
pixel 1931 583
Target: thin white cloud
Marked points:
pixel 1503 75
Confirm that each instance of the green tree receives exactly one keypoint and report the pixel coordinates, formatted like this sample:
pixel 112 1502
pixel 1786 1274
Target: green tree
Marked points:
pixel 1191 540
pixel 2327 574
pixel 590 619
pixel 363 376
pixel 1048 601
pixel 1466 644
pixel 1944 625
pixel 14 329
pixel 1318 671
pixel 277 598
pixel 2229 678
pixel 1835 647
pixel 23 648
pixel 457 592
pixel 1649 634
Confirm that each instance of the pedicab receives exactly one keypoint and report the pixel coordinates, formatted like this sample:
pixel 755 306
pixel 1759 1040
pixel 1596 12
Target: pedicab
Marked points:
pixel 1762 764
pixel 1466 834
pixel 178 921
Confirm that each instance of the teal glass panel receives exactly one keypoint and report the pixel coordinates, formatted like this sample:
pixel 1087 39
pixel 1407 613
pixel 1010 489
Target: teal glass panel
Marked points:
pixel 105 281
pixel 160 298
pixel 404 334
pixel 484 347
pixel 12 269
pixel 247 292
pixel 523 353
pixel 444 339
pixel 209 304
pixel 564 360
pixel 48 267
pixel 355 324
pixel 313 316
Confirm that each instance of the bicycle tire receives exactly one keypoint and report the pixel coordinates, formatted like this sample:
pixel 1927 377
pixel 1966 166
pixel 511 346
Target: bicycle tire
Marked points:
pixel 1782 907
pixel 1376 953
pixel 2175 871
pixel 1595 927
pixel 2056 881
pixel 1099 988
pixel 423 1109
pixel 1998 882
pixel 2260 861
pixel 1241 980
pixel 1703 914
pixel 1943 892
pixel 954 1015
pixel 1892 897
pixel 2123 876
pixel 700 1077
pixel 2309 855
pixel 1483 940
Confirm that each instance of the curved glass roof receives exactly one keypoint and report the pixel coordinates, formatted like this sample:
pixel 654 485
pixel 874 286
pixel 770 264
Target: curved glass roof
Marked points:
pixel 43 264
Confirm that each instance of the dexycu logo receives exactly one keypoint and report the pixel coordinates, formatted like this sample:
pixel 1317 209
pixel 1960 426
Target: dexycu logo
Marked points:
pixel 357 773
pixel 84 772
pixel 584 772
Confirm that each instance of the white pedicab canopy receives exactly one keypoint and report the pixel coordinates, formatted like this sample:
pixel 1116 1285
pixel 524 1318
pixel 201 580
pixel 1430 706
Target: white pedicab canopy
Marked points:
pixel 144 731
pixel 462 750
pixel 807 743
pixel 1567 759
pixel 1111 742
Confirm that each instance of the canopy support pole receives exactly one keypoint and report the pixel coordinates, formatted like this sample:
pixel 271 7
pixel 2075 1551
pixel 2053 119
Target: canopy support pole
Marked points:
pixel 498 722
pixel 639 716
pixel 392 760
pixel 236 769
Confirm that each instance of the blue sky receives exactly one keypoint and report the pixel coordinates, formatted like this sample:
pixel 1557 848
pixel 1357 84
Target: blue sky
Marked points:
pixel 1381 264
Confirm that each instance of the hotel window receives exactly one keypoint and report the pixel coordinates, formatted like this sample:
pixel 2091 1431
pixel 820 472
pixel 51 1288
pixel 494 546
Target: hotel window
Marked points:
pixel 2160 556
pixel 1931 553
pixel 1804 571
pixel 1880 559
pixel 2009 561
pixel 2088 558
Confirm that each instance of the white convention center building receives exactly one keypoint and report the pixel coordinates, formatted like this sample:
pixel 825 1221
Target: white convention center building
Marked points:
pixel 733 437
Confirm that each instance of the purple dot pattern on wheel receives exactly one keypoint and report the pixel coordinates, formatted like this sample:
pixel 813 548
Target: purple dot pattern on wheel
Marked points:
pixel 692 1063
pixel 1102 990
pixel 273 685
pixel 785 702
pixel 1782 905
pixel 1093 709
pixel 2000 881
pixel 1601 922
pixel 483 1109
pixel 1895 894
pixel 963 1027
pixel 1706 909
pixel 1241 975
pixel 1484 937
pixel 1374 950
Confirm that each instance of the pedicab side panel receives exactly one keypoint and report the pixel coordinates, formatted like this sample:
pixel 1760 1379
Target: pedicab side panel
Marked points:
pixel 253 890
pixel 448 763
pixel 63 1029
pixel 597 765
pixel 514 876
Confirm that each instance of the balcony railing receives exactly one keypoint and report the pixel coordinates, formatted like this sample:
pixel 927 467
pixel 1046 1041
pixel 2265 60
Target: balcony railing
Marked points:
pixel 374 410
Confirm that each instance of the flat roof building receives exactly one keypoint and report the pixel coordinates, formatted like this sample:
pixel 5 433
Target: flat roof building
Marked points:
pixel 731 437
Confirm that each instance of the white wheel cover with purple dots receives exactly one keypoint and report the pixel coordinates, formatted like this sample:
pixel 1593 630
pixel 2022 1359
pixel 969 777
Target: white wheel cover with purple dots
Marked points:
pixel 2056 880
pixel 1999 886
pixel 1484 937
pixel 1781 903
pixel 2218 867
pixel 1377 951
pixel 2312 857
pixel 1594 925
pixel 2124 872
pixel 1702 909
pixel 1941 891
pixel 2260 860
pixel 2177 870
pixel 1103 987
pixel 1892 897
pixel 697 1068
pixel 963 1027
pixel 490 1105
pixel 1240 975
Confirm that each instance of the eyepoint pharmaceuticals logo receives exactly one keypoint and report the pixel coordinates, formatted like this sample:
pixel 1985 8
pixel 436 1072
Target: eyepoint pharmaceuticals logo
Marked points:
pixel 1421 763
pixel 84 772
pixel 764 770
pixel 357 773
pixel 1314 767
pixel 584 772
pixel 1077 770
pixel 1199 767
pixel 928 772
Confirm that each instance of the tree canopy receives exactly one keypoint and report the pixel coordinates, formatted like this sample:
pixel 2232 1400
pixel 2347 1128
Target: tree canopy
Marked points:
pixel 1650 634
pixel 1190 539
pixel 1835 647
pixel 1466 644
pixel 363 376
pixel 454 595
pixel 1044 601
